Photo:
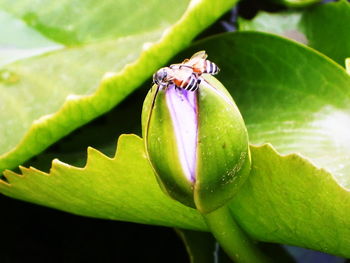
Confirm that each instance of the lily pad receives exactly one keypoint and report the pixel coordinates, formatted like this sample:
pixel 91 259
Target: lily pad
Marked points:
pixel 19 41
pixel 289 96
pixel 46 97
pixel 316 26
pixel 124 188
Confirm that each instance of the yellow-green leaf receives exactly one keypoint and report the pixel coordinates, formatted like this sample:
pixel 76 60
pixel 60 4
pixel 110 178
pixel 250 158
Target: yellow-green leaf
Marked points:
pixel 43 98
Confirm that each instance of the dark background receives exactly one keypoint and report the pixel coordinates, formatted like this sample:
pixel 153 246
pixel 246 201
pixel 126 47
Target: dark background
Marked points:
pixel 31 233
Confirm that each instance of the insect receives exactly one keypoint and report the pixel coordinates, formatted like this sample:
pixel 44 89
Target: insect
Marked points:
pixel 186 75
pixel 199 64
pixel 181 77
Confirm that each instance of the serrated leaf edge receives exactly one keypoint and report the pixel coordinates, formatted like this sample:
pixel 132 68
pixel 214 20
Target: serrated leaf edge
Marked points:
pixel 57 164
pixel 21 151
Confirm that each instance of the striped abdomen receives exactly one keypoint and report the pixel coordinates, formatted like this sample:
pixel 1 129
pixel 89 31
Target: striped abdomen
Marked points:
pixel 191 83
pixel 211 68
pixel 205 66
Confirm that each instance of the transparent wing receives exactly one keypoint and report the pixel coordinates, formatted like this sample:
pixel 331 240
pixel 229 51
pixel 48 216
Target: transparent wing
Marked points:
pixel 201 54
pixel 197 57
pixel 182 73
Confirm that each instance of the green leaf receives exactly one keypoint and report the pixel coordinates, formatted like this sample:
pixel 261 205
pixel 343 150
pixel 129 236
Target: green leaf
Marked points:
pixel 46 97
pixel 315 27
pixel 322 23
pixel 296 3
pixel 298 100
pixel 289 96
pixel 290 201
pixel 285 24
pixel 19 41
pixel 124 188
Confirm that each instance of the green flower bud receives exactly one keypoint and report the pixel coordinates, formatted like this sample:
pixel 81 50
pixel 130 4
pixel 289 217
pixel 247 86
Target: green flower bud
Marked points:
pixel 197 143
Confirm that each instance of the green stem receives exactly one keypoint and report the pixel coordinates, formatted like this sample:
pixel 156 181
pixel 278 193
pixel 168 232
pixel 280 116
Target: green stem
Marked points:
pixel 238 246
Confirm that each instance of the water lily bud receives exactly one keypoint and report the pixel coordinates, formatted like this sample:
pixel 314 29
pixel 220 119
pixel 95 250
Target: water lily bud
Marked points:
pixel 197 143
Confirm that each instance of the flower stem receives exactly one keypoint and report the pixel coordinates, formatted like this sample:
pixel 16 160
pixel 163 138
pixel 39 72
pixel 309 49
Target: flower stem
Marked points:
pixel 238 246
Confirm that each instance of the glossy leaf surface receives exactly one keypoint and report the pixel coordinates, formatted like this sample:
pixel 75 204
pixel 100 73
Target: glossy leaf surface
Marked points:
pixel 45 97
pixel 285 97
pixel 323 27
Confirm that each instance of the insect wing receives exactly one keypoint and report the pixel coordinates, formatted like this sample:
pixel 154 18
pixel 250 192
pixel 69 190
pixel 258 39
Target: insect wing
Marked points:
pixel 197 62
pixel 199 55
pixel 182 73
pixel 196 58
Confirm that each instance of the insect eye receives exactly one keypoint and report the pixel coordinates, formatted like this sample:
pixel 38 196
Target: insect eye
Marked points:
pixel 155 80
pixel 164 74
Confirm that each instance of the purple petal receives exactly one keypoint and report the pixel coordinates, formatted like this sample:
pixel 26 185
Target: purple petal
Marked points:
pixel 183 108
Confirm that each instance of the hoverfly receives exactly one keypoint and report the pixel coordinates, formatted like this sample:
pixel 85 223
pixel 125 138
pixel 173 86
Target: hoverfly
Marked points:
pixel 186 75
